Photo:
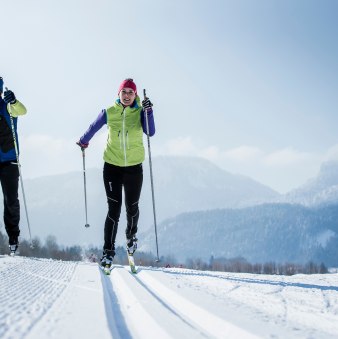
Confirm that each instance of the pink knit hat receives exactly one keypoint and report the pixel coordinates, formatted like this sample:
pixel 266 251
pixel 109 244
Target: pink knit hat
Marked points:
pixel 128 83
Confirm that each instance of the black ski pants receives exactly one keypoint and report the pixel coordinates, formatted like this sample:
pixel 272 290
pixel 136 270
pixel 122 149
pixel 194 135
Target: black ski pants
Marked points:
pixel 115 179
pixel 9 178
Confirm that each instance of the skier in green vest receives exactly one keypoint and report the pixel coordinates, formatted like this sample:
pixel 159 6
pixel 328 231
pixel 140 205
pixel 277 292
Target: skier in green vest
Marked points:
pixel 123 157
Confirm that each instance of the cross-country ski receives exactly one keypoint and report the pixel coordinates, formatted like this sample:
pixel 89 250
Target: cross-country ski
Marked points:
pixel 131 262
pixel 106 269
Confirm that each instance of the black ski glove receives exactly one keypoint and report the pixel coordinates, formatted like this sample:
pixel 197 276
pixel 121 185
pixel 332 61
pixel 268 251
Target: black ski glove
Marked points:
pixel 146 104
pixel 9 97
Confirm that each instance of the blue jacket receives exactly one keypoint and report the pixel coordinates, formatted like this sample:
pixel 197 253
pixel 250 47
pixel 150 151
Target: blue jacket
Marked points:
pixel 7 147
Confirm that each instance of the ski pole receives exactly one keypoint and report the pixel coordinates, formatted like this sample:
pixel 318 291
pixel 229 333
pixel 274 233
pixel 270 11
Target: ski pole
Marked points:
pixel 20 174
pixel 84 183
pixel 151 177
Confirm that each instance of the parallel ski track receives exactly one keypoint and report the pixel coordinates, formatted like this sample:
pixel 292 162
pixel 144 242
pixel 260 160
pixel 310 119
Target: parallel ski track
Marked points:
pixel 144 299
pixel 24 303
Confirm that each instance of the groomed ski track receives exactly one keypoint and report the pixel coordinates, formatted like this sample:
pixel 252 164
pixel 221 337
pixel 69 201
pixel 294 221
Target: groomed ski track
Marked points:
pixel 134 306
pixel 143 299
pixel 42 298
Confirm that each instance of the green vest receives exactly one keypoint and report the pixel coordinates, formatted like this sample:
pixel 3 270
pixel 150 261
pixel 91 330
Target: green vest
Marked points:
pixel 125 135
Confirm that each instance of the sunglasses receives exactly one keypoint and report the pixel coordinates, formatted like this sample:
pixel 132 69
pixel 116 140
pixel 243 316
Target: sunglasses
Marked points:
pixel 124 92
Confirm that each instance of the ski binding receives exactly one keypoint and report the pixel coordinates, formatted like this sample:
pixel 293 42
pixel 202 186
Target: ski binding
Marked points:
pixel 131 262
pixel 106 269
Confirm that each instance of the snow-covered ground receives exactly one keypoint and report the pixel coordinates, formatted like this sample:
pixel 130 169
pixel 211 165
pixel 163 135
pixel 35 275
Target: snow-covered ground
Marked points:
pixel 42 298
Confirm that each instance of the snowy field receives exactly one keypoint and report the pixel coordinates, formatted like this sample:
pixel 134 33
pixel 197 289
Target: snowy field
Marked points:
pixel 42 298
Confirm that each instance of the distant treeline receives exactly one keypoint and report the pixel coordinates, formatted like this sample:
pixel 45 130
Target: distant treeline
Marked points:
pixel 48 249
pixel 51 249
pixel 241 265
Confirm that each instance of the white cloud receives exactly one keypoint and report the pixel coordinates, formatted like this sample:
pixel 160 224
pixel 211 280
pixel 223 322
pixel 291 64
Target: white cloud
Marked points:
pixel 281 169
pixel 288 157
pixel 42 154
pixel 243 154
pixel 180 146
pixel 211 153
pixel 332 153
pixel 43 144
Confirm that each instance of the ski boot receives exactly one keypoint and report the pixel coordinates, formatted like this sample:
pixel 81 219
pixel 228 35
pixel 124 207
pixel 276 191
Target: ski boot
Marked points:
pixel 13 244
pixel 13 249
pixel 107 262
pixel 131 248
pixel 131 245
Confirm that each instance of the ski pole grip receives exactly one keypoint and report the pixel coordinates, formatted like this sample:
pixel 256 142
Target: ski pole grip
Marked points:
pixel 144 93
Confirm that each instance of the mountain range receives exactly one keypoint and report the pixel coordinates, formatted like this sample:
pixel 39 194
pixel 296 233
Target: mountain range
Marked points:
pixel 188 188
pixel 181 184
pixel 264 233
pixel 299 226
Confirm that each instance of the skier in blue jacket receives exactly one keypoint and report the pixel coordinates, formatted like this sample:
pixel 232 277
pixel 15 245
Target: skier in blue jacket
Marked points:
pixel 10 109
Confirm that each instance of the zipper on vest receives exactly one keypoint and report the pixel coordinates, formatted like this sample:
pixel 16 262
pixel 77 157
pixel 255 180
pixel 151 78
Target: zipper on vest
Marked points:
pixel 124 136
pixel 127 140
pixel 120 139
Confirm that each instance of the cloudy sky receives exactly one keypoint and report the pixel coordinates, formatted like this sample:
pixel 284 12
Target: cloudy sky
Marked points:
pixel 250 85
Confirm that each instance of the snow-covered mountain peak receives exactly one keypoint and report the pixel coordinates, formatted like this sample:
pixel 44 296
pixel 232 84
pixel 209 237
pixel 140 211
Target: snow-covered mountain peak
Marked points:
pixel 328 174
pixel 322 189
